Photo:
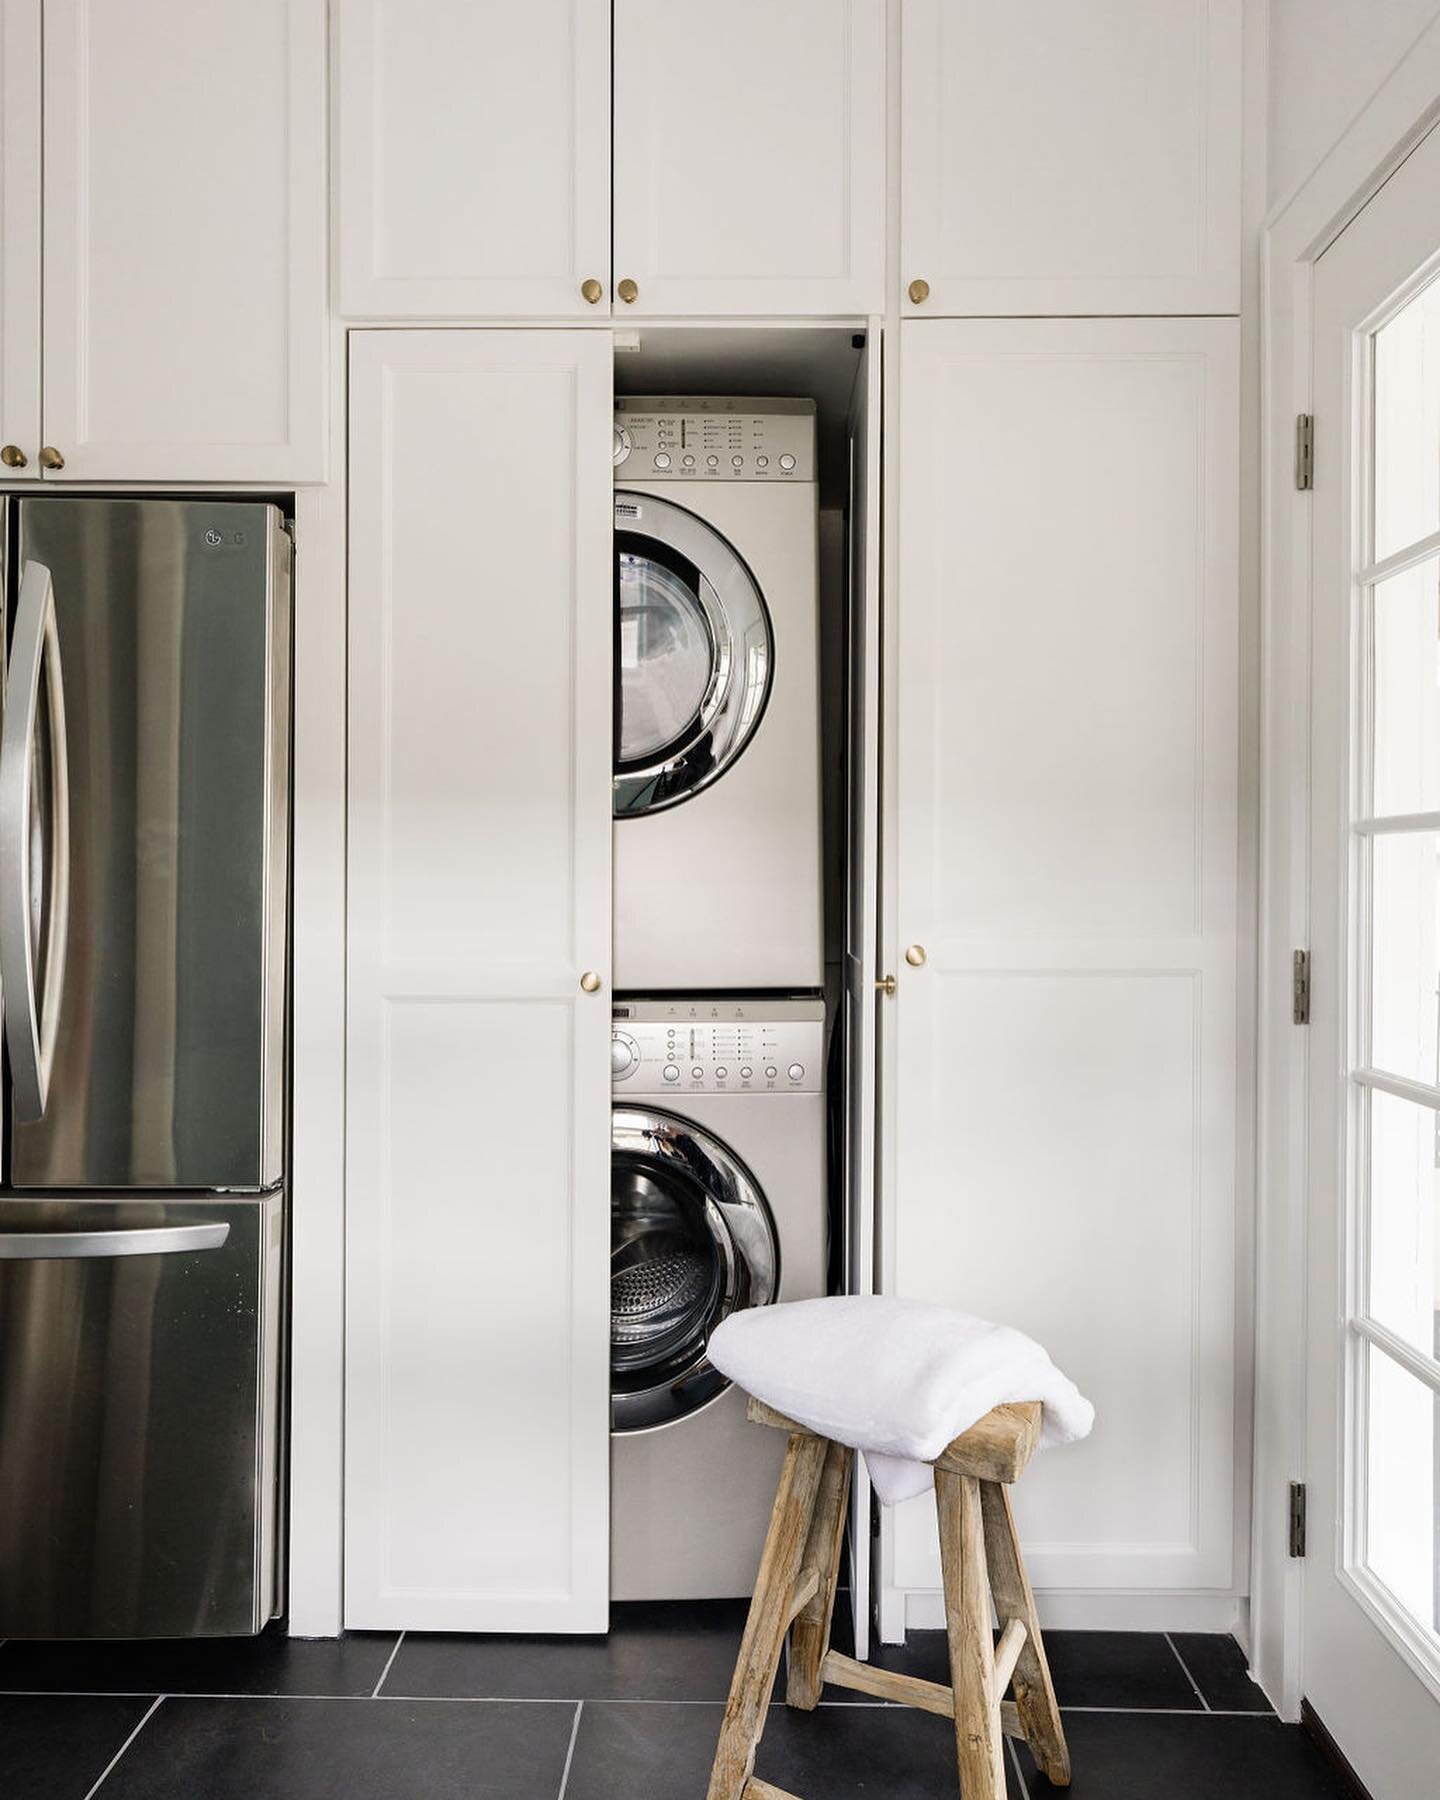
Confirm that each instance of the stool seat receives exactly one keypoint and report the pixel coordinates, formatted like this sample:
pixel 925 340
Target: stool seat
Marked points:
pixel 980 1557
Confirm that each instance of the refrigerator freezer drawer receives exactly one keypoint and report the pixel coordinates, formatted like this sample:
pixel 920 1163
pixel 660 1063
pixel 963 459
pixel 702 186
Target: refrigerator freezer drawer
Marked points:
pixel 139 1399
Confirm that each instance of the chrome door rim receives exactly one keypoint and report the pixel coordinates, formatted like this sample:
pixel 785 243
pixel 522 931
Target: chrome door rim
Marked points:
pixel 740 1221
pixel 732 707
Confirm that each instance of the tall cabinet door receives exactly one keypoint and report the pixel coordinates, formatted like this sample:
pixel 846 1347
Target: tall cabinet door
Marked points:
pixel 185 330
pixel 20 238
pixel 1064 1070
pixel 474 177
pixel 478 1086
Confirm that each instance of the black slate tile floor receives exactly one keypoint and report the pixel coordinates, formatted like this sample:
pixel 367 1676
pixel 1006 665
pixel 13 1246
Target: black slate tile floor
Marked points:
pixel 1149 1717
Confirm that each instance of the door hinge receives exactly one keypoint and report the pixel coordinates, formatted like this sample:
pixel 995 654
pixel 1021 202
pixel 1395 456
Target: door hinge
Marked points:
pixel 1300 987
pixel 1304 451
pixel 1297 1518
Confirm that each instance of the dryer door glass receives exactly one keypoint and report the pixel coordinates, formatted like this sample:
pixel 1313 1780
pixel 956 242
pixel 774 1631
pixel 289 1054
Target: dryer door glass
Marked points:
pixel 695 654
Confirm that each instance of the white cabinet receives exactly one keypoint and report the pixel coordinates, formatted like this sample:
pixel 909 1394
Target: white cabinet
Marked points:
pixel 20 238
pixel 750 156
pixel 1064 1082
pixel 1082 158
pixel 474 163
pixel 184 323
pixel 478 1069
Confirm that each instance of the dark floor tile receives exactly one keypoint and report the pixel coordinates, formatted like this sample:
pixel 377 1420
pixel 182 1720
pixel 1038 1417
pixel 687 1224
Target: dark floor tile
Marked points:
pixel 1218 1664
pixel 57 1748
pixel 1130 1757
pixel 1089 1668
pixel 841 1752
pixel 345 1750
pixel 269 1664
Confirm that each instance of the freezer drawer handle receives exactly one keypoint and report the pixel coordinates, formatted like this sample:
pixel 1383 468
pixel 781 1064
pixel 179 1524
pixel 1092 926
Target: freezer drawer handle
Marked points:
pixel 32 1018
pixel 140 1240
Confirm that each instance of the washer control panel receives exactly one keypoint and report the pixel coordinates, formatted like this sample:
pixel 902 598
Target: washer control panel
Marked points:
pixel 717 1046
pixel 684 438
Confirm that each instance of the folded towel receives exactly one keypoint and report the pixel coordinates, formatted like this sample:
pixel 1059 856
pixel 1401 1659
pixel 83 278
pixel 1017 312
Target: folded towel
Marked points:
pixel 897 1379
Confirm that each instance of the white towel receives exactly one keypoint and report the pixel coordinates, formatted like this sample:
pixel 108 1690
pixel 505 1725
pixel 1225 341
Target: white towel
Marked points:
pixel 897 1379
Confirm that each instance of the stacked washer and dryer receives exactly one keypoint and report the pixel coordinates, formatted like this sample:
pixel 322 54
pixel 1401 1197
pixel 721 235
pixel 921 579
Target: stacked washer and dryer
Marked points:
pixel 718 1185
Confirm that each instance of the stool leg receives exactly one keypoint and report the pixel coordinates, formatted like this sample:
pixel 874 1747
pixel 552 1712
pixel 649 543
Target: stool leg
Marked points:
pixel 978 1741
pixel 810 1634
pixel 1034 1694
pixel 759 1657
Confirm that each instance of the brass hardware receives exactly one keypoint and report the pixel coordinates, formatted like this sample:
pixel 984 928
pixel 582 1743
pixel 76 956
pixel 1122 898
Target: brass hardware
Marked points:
pixel 887 985
pixel 13 457
pixel 591 290
pixel 628 291
pixel 590 982
pixel 919 291
pixel 915 956
pixel 50 458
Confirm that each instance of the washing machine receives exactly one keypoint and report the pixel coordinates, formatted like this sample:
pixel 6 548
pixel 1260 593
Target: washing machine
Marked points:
pixel 718 1202
pixel 717 749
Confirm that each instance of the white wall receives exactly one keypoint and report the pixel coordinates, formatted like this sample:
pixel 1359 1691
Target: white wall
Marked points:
pixel 1327 57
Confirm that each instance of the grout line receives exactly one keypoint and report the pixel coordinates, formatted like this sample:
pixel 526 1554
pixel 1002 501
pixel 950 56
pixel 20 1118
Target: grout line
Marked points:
pixel 570 1752
pixel 1186 1667
pixel 394 1652
pixel 1019 1772
pixel 109 1767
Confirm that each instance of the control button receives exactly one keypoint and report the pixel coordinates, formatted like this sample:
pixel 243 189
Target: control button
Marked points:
pixel 737 462
pixel 698 1073
pixel 713 461
pixel 671 1072
pixel 770 1074
pixel 721 1073
pixel 787 461
pixel 689 461
pixel 745 1074
pixel 762 462
pixel 796 1071
pixel 662 459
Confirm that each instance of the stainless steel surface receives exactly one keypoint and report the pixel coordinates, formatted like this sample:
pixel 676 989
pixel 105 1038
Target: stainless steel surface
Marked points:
pixel 138 1422
pixel 702 438
pixel 34 885
pixel 132 1240
pixel 670 1048
pixel 169 1059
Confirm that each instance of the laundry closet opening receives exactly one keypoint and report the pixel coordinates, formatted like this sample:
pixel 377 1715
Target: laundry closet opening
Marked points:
pixel 744 652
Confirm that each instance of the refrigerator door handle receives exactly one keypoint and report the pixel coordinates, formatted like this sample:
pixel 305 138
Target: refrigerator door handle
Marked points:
pixel 142 1240
pixel 32 1014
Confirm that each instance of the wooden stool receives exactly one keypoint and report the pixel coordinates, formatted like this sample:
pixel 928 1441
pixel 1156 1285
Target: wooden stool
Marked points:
pixel 980 1556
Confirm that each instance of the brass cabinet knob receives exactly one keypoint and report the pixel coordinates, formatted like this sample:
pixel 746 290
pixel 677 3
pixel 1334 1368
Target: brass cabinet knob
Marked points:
pixel 628 291
pixel 13 456
pixel 918 290
pixel 887 985
pixel 50 458
pixel 590 982
pixel 915 956
pixel 591 290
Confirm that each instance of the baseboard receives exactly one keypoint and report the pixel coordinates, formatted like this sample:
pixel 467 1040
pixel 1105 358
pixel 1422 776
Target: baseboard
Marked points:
pixel 1064 1609
pixel 1331 1751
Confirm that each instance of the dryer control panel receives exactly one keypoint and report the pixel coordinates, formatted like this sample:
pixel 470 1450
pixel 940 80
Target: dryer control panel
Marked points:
pixel 717 1046
pixel 695 438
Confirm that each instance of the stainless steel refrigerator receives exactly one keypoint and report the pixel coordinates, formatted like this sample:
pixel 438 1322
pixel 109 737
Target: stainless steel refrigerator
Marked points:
pixel 144 832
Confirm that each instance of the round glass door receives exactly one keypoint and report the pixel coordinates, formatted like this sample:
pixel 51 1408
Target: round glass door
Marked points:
pixel 691 1241
pixel 694 650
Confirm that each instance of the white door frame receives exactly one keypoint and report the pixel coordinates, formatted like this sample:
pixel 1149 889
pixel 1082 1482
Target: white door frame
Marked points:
pixel 1296 234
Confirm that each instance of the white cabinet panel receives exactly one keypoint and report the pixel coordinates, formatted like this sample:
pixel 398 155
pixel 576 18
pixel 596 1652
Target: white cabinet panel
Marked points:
pixel 478 1088
pixel 1064 1097
pixel 750 156
pixel 184 239
pixel 20 233
pixel 1072 159
pixel 474 162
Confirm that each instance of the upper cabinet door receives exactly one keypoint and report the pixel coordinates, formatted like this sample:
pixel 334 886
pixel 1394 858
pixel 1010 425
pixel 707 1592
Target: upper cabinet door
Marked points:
pixel 20 238
pixel 1082 158
pixel 750 156
pixel 185 335
pixel 474 165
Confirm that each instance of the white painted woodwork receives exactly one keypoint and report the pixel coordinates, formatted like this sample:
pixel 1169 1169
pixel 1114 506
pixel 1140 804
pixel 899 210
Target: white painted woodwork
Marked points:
pixel 1063 1104
pixel 474 158
pixel 20 232
pixel 750 156
pixel 1082 158
pixel 185 239
pixel 478 1108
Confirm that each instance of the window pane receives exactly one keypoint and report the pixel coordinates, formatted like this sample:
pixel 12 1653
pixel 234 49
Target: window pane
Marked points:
pixel 1402 1519
pixel 1404 967
pixel 1404 1208
pixel 1407 424
pixel 1406 633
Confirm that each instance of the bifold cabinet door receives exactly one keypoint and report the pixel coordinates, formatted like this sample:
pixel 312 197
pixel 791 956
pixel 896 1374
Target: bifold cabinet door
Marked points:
pixel 20 238
pixel 474 163
pixel 478 1086
pixel 185 333
pixel 750 156
pixel 1065 1054
pixel 1082 158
